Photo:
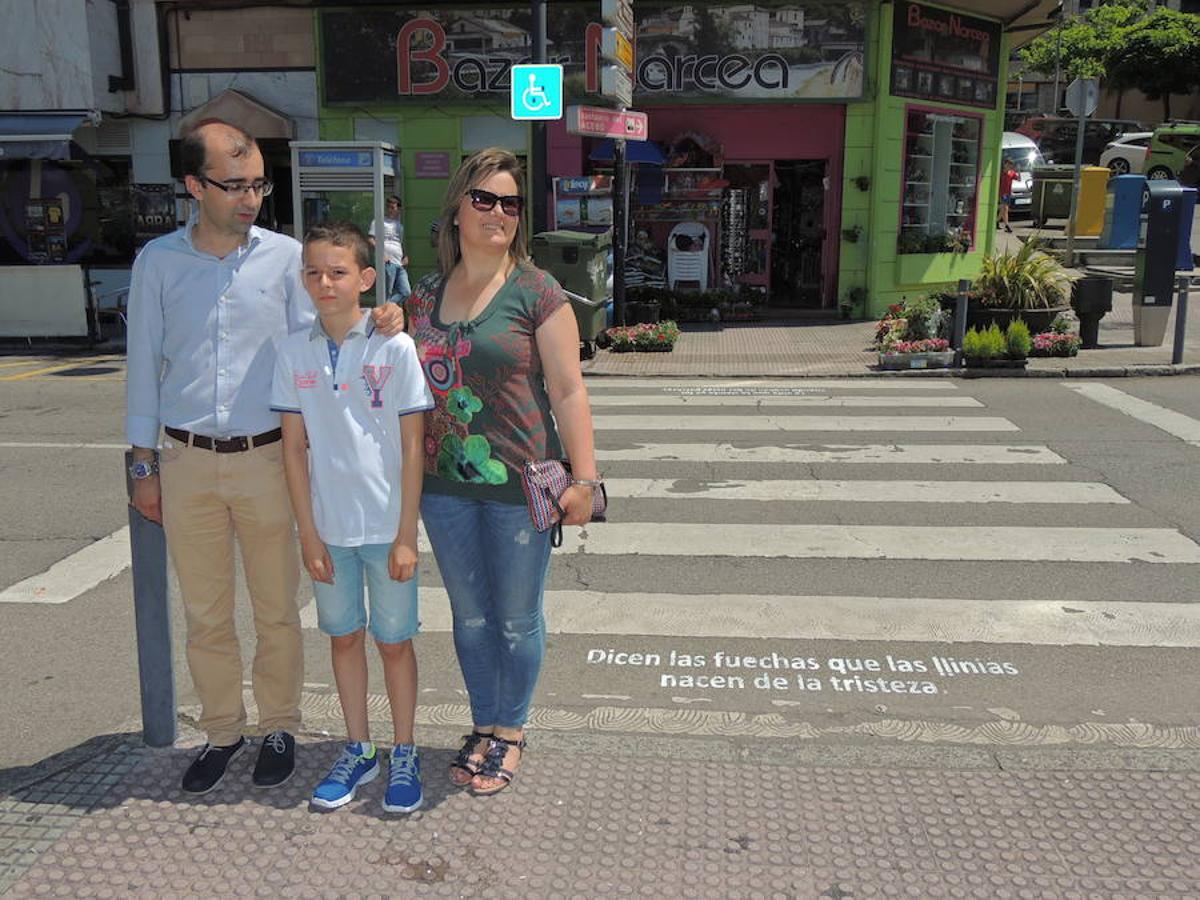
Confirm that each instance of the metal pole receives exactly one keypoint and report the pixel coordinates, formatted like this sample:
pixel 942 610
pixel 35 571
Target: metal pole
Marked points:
pixel 1181 299
pixel 618 194
pixel 960 319
pixel 152 618
pixel 1075 187
pixel 538 133
pixel 1057 56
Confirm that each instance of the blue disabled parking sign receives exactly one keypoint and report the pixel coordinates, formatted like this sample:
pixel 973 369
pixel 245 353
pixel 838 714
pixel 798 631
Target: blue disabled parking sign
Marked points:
pixel 537 91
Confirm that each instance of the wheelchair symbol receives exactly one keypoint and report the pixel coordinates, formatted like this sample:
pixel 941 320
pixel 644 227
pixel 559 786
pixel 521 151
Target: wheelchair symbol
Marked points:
pixel 534 98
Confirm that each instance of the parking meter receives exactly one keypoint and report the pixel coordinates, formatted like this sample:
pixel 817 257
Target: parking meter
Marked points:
pixel 1187 211
pixel 1157 256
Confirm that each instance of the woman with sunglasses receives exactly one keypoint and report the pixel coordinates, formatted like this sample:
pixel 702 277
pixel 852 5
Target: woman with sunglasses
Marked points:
pixel 500 349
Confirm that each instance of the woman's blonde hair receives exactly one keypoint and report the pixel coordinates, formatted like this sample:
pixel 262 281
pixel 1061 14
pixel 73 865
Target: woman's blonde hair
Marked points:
pixel 477 168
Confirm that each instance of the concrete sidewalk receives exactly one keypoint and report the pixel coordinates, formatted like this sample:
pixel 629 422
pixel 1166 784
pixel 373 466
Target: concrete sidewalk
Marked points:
pixel 606 814
pixel 842 349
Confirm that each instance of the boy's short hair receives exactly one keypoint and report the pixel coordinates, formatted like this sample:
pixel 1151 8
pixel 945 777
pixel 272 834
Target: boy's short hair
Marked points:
pixel 342 234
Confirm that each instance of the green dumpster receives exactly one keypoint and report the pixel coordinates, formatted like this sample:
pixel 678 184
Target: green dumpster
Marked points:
pixel 1051 193
pixel 580 262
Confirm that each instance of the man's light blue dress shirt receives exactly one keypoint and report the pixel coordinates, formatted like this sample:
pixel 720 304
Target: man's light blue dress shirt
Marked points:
pixel 202 330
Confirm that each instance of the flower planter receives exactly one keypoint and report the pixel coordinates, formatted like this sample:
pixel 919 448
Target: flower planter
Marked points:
pixel 972 362
pixel 1038 320
pixel 937 359
pixel 648 348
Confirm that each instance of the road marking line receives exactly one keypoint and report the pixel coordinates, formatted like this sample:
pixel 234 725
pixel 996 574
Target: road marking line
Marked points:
pixel 51 445
pixel 913 454
pixel 76 574
pixel 754 400
pixel 50 369
pixel 802 423
pixel 1173 423
pixel 799 385
pixel 24 362
pixel 1048 623
pixel 865 491
pixel 1026 544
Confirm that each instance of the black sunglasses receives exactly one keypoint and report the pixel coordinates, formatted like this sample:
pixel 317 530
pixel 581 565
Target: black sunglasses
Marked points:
pixel 485 201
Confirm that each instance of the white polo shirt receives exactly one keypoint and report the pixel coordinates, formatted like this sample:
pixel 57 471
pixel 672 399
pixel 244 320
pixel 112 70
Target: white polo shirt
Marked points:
pixel 352 398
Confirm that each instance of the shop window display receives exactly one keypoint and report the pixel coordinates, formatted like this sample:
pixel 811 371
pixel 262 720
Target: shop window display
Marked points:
pixel 939 192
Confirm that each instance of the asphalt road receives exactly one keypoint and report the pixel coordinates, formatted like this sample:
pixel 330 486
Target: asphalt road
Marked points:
pixel 1015 567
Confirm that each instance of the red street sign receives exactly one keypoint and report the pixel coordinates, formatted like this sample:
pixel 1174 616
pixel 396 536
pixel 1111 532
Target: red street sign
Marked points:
pixel 596 121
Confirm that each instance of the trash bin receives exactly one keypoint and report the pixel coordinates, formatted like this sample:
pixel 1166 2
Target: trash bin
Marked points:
pixel 1091 298
pixel 1051 193
pixel 578 259
pixel 1089 209
pixel 1122 212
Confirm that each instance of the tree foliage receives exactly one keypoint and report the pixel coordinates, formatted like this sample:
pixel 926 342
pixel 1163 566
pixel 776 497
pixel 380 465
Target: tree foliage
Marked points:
pixel 1158 54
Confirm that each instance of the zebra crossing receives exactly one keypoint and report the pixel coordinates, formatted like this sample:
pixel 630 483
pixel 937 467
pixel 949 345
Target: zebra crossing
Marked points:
pixel 852 516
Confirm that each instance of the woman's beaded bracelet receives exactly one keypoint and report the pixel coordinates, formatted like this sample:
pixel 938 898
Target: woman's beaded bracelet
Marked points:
pixel 587 482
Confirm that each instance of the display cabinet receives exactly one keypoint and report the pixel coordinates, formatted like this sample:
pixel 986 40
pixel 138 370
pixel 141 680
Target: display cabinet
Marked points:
pixel 939 190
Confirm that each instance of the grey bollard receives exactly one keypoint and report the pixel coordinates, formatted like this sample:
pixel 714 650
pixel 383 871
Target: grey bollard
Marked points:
pixel 960 319
pixel 152 617
pixel 1181 302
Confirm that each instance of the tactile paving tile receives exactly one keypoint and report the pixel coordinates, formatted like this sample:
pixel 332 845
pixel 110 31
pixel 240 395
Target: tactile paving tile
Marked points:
pixel 583 826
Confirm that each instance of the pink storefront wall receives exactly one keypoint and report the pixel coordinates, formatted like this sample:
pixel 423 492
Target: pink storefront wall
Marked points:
pixel 767 131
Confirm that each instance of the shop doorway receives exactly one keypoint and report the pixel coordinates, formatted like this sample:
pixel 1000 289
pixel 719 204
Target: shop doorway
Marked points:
pixel 774 230
pixel 798 234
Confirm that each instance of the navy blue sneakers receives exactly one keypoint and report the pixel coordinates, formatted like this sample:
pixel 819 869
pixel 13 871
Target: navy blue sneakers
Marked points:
pixel 404 781
pixel 351 770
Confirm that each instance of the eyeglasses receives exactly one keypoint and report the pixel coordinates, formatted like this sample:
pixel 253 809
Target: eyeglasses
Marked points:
pixel 240 188
pixel 485 201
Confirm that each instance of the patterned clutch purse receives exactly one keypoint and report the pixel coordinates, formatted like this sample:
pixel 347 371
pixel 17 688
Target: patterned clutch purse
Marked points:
pixel 544 481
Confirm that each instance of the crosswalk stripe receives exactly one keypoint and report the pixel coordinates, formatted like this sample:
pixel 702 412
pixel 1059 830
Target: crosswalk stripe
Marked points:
pixel 800 385
pixel 1177 424
pixel 953 620
pixel 907 454
pixel 1024 544
pixel 755 400
pixel 76 574
pixel 802 423
pixel 864 491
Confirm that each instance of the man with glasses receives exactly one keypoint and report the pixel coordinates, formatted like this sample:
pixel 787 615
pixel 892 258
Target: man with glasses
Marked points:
pixel 206 305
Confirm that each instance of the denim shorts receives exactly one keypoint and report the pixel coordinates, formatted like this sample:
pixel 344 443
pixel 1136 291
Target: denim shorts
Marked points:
pixel 340 607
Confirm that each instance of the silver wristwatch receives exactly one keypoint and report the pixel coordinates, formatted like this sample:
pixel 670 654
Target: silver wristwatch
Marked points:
pixel 143 468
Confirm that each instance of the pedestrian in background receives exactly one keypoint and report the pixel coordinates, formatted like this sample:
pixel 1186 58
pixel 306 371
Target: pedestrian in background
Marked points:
pixel 1008 174
pixel 395 260
pixel 205 305
pixel 500 349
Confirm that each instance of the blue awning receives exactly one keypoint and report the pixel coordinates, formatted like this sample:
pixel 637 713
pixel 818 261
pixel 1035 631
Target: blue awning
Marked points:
pixel 38 135
pixel 635 152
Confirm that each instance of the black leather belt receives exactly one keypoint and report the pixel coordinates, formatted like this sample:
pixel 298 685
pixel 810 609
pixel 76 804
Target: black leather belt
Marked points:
pixel 225 445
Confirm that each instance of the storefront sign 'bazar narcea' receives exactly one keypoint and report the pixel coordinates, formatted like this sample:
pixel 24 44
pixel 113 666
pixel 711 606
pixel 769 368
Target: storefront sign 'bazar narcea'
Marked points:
pixel 942 55
pixel 731 51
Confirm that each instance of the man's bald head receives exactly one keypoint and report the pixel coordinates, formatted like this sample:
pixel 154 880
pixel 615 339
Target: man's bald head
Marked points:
pixel 210 139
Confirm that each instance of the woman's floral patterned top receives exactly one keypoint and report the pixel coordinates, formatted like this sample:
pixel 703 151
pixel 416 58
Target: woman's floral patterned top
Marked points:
pixel 491 411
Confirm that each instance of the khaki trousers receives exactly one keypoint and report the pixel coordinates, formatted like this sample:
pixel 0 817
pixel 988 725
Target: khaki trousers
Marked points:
pixel 208 499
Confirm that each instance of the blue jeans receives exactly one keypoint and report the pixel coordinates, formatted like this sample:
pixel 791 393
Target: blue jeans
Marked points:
pixel 494 566
pixel 340 609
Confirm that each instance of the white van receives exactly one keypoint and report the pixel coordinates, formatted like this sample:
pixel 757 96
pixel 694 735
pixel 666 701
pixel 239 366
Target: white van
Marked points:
pixel 1025 154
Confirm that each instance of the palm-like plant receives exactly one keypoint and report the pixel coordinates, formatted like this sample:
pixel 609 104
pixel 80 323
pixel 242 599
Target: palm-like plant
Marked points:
pixel 1027 279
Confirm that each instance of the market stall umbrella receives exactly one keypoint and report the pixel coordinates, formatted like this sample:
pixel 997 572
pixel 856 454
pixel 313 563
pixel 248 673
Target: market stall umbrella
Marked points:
pixel 635 152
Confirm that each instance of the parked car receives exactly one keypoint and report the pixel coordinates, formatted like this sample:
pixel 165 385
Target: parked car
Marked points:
pixel 1127 154
pixel 1025 155
pixel 1169 148
pixel 1056 135
pixel 1190 176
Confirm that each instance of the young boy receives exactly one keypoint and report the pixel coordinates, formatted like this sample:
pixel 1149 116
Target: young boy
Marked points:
pixel 357 399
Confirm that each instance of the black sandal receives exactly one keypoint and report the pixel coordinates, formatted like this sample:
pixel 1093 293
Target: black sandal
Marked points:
pixel 463 760
pixel 493 766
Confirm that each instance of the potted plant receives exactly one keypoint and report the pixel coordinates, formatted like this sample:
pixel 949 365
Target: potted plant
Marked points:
pixel 910 335
pixel 990 348
pixel 1060 340
pixel 649 337
pixel 853 302
pixel 1027 284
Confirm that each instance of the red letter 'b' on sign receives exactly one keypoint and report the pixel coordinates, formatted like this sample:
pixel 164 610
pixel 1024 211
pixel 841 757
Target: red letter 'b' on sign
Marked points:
pixel 406 56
